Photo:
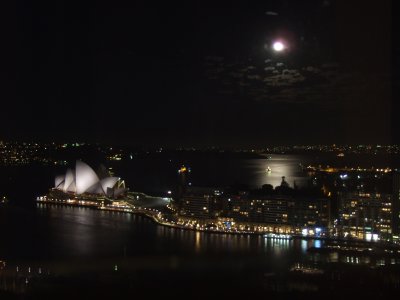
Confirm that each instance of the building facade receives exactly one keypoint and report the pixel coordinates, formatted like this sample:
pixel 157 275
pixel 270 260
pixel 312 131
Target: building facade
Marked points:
pixel 396 204
pixel 275 211
pixel 201 202
pixel 366 216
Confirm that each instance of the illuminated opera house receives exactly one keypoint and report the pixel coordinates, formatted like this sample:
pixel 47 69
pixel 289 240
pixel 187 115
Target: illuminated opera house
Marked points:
pixel 84 182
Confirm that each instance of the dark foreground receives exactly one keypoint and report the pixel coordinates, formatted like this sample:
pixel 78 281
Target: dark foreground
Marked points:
pixel 187 278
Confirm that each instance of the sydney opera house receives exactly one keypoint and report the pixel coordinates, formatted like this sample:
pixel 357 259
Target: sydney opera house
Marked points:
pixel 83 181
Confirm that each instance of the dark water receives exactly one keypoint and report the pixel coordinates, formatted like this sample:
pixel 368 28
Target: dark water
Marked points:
pixel 47 232
pixel 79 252
pixel 161 174
pixel 81 247
pixel 149 174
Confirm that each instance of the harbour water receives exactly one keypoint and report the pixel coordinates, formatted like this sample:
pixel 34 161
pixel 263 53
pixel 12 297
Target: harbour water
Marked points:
pixel 46 233
pixel 59 247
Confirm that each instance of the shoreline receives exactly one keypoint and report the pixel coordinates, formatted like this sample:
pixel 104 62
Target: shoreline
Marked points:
pixel 153 215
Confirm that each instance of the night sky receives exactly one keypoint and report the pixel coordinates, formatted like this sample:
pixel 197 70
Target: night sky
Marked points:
pixel 199 74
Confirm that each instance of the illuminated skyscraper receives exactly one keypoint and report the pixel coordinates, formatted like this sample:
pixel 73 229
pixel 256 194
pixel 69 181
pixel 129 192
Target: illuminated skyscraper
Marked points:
pixel 182 185
pixel 396 203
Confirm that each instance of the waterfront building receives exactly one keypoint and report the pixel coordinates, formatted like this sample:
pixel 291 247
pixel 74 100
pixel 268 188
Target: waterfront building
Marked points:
pixel 366 216
pixel 300 213
pixel 83 184
pixel 183 184
pixel 200 202
pixel 396 204
pixel 296 215
pixel 310 212
pixel 261 210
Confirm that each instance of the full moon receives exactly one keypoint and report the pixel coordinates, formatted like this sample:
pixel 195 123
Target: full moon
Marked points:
pixel 278 46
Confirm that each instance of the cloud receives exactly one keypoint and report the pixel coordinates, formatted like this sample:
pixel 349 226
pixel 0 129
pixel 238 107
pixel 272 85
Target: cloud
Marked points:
pixel 269 68
pixel 283 79
pixel 326 87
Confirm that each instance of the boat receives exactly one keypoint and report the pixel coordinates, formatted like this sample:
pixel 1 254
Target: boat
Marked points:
pixel 311 270
pixel 278 236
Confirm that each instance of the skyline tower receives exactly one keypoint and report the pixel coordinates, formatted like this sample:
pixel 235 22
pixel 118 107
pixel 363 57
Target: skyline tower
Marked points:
pixel 396 203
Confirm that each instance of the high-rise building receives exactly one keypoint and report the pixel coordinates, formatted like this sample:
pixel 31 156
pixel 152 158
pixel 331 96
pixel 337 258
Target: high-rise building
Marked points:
pixel 278 209
pixel 183 174
pixel 396 203
pixel 310 212
pixel 200 202
pixel 365 215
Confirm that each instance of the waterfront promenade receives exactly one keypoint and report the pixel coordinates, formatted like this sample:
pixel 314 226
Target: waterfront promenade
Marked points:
pixel 159 210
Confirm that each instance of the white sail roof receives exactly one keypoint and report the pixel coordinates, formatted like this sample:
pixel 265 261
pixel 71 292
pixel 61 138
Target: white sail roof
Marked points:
pixel 72 187
pixel 59 180
pixel 108 182
pixel 69 179
pixel 85 180
pixel 85 177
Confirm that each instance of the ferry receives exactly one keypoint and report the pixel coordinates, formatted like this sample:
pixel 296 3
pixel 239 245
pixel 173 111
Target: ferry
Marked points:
pixel 298 267
pixel 278 236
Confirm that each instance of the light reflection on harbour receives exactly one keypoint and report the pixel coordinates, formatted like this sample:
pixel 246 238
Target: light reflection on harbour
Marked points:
pixel 197 244
pixel 60 232
pixel 276 246
pixel 253 172
pixel 304 246
pixel 280 165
